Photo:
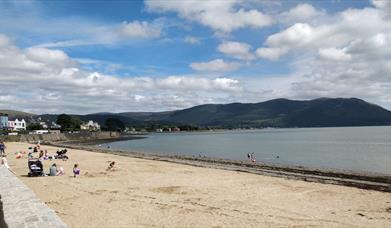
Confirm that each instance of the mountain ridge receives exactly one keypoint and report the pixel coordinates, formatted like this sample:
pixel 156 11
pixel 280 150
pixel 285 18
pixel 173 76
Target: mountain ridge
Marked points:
pixel 280 112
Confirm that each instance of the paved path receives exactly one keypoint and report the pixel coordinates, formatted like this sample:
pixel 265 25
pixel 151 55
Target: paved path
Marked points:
pixel 22 208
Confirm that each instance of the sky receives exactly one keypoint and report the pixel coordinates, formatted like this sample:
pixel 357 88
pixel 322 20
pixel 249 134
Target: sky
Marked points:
pixel 117 56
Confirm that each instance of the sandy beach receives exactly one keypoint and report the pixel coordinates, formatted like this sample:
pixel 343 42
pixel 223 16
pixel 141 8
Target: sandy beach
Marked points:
pixel 145 193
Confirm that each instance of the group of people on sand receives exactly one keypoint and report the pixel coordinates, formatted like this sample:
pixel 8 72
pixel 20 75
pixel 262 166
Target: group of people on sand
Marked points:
pixel 54 171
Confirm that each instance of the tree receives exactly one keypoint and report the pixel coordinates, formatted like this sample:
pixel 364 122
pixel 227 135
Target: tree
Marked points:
pixel 75 122
pixel 34 126
pixel 68 123
pixel 65 121
pixel 114 124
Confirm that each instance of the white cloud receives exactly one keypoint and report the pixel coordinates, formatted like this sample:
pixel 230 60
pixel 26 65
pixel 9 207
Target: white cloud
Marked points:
pixel 300 13
pixel 336 31
pixel 227 84
pixel 44 80
pixel 342 55
pixel 139 29
pixel 334 54
pixel 236 50
pixel 4 40
pixel 195 83
pixel 48 56
pixel 69 43
pixel 384 6
pixel 271 53
pixel 222 16
pixel 217 65
pixel 94 34
pixel 296 35
pixel 192 40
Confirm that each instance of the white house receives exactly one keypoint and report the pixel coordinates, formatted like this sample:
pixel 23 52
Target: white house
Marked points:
pixel 91 125
pixel 43 124
pixel 55 126
pixel 17 125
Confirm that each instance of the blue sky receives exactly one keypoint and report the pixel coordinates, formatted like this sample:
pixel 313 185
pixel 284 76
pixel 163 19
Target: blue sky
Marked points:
pixel 168 55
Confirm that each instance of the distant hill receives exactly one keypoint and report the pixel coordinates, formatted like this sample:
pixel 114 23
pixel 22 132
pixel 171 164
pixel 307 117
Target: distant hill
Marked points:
pixel 322 112
pixel 17 114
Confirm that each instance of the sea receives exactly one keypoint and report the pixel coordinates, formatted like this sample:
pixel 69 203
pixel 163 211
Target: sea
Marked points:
pixel 357 149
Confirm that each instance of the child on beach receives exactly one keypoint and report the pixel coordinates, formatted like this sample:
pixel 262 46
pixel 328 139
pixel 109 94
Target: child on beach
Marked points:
pixel 76 170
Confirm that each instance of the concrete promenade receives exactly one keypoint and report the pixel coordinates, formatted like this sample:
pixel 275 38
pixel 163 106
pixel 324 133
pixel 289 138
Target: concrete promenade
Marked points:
pixel 22 208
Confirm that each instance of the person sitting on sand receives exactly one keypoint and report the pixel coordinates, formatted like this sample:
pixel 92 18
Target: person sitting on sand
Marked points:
pixel 47 156
pixel 18 155
pixel 53 170
pixel 30 155
pixel 111 166
pixel 76 170
pixel 60 171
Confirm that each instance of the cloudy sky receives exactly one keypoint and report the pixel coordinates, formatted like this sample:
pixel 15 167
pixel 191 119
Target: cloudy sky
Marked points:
pixel 113 56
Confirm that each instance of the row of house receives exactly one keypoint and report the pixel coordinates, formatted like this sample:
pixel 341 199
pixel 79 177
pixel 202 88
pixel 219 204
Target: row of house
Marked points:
pixel 90 125
pixel 13 125
pixel 170 129
pixel 19 125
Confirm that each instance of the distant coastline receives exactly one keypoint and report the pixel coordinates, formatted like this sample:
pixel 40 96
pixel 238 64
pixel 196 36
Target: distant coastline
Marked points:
pixel 98 141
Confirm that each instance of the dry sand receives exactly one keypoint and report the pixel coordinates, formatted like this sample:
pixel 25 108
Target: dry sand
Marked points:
pixel 144 193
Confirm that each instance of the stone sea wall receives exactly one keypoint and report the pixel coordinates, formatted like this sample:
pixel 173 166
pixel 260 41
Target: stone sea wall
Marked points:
pixel 22 208
pixel 2 220
pixel 61 137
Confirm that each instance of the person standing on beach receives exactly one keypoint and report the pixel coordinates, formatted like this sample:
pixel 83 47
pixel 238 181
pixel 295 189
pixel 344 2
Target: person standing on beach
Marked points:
pixel 253 157
pixel 76 170
pixel 2 148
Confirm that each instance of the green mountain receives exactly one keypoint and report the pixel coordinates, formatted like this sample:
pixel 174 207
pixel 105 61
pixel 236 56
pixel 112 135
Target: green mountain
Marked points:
pixel 322 112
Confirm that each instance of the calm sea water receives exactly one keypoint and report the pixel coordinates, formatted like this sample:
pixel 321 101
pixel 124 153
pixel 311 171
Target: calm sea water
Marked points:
pixel 362 149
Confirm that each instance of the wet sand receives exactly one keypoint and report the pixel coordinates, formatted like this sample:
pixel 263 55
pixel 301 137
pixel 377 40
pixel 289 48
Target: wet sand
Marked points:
pixel 146 193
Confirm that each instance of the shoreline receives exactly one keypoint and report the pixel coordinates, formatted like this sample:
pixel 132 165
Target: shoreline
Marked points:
pixel 96 141
pixel 369 181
